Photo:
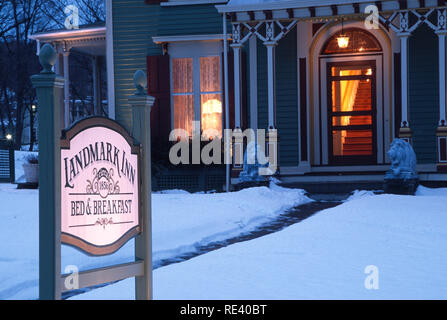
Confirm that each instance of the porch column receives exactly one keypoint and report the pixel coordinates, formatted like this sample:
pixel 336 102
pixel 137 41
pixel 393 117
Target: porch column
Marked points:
pixel 442 78
pixel 272 134
pixel 441 132
pixel 404 132
pixel 271 92
pixel 237 84
pixel 66 88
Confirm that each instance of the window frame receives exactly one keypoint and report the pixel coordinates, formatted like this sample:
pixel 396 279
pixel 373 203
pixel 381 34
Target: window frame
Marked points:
pixel 196 50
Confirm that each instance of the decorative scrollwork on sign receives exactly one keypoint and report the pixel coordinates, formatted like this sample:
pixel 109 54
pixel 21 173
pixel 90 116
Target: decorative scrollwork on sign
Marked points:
pixel 102 183
pixel 104 222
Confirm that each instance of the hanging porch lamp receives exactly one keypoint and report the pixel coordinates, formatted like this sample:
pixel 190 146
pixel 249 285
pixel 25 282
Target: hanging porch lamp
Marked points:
pixel 342 39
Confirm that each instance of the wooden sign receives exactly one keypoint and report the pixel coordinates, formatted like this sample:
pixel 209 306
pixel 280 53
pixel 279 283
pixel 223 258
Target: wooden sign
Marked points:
pixel 99 186
pixel 94 188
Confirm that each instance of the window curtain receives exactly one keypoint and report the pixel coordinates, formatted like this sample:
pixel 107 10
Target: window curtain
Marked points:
pixel 182 83
pixel 211 97
pixel 348 93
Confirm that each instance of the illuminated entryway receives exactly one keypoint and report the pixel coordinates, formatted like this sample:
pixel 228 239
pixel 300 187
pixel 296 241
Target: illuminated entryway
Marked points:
pixel 352 114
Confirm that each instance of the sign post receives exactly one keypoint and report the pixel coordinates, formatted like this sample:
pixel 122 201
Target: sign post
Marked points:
pixel 49 88
pixel 141 105
pixel 95 190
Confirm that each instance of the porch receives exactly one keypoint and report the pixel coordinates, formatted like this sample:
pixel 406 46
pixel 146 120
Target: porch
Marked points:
pixel 310 153
pixel 88 42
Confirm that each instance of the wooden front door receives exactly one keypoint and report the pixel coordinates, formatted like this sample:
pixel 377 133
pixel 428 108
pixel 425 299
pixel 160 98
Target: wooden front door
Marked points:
pixel 352 113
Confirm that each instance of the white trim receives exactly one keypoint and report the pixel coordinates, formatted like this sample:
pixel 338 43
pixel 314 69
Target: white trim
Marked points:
pixel 237 84
pixel 253 57
pixel 184 38
pixel 299 5
pixel 404 78
pixel 379 102
pixel 172 3
pixel 442 78
pixel 70 35
pixel 194 51
pixel 109 61
pixel 271 83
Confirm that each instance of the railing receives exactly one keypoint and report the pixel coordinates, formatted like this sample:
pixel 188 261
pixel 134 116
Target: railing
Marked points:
pixel 80 111
pixel 7 170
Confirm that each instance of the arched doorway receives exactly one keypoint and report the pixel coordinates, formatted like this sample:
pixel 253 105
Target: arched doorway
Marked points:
pixel 351 99
pixel 352 96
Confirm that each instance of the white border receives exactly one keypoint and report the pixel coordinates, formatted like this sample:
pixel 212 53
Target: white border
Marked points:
pixel 194 50
pixel 187 38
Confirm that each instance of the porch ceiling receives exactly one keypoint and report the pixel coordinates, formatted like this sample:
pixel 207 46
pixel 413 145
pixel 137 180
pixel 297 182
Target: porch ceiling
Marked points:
pixel 249 10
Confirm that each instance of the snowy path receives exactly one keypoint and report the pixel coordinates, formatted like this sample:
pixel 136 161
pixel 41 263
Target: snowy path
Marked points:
pixel 323 257
pixel 290 217
pixel 182 224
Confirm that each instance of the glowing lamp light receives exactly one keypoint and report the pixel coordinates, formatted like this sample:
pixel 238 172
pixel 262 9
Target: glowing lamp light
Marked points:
pixel 212 118
pixel 343 41
pixel 9 136
pixel 212 106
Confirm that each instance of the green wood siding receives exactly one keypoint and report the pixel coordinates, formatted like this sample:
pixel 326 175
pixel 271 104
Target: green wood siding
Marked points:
pixel 134 25
pixel 286 96
pixel 424 92
pixel 286 99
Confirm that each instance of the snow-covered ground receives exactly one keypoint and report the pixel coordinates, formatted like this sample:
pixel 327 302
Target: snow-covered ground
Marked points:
pixel 328 256
pixel 181 221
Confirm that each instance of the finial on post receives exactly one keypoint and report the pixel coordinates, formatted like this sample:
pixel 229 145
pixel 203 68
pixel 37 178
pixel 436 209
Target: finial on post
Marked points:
pixel 47 58
pixel 140 82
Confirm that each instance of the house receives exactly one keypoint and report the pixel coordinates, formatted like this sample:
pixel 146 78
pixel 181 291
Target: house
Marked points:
pixel 88 41
pixel 336 80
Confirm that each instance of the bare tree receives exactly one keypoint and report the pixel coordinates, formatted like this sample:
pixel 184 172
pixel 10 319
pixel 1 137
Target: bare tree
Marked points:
pixel 90 11
pixel 18 20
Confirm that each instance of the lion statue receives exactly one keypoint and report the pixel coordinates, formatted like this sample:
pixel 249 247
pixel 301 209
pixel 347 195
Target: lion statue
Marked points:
pixel 403 161
pixel 251 164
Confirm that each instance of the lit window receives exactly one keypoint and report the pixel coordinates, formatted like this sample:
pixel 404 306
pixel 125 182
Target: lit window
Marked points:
pixel 353 41
pixel 197 94
pixel 210 97
pixel 183 93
